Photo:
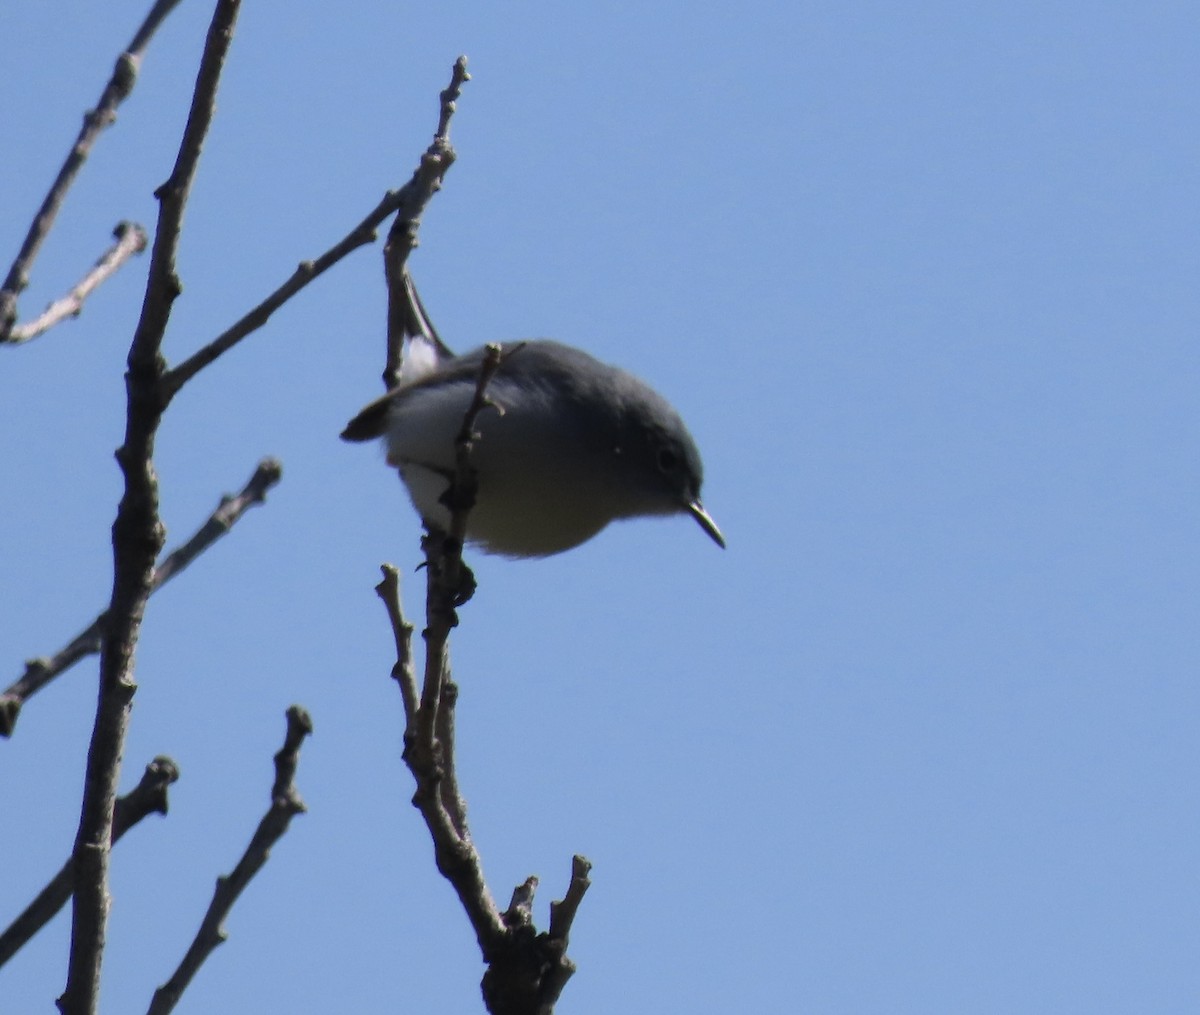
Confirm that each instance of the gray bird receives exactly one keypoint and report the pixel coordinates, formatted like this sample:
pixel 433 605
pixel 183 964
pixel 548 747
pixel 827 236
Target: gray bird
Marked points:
pixel 572 445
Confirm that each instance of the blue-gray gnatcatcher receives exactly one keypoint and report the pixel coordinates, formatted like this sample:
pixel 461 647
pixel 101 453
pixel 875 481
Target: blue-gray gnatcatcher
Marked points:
pixel 571 445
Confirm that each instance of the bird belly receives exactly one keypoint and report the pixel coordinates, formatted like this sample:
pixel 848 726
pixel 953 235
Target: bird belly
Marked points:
pixel 513 519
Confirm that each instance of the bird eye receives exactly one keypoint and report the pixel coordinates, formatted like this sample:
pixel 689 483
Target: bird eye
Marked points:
pixel 667 460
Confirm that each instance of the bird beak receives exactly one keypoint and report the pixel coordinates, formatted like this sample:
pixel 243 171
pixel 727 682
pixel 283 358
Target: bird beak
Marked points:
pixel 696 510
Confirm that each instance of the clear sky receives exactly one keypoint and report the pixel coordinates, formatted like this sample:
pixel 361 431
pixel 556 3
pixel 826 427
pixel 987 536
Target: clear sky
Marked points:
pixel 923 281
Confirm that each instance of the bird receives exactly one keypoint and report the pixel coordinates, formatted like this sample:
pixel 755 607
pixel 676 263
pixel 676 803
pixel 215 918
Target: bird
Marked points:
pixel 566 445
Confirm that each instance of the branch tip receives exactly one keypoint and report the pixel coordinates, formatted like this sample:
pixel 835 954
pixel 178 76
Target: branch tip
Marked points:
pixel 148 797
pixel 285 804
pixel 103 115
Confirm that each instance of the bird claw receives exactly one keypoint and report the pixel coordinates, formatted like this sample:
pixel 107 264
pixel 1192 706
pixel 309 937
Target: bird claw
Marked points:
pixel 465 586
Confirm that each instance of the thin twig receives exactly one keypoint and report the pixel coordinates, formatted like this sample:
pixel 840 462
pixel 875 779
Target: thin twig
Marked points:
pixel 526 971
pixel 520 906
pixel 452 799
pixel 408 201
pixel 403 673
pixel 268 472
pixel 528 975
pixel 406 315
pixel 562 913
pixel 456 857
pixel 449 583
pixel 130 240
pixel 306 272
pixel 286 803
pixel 115 92
pixel 39 672
pixel 148 797
pixel 449 98
pixel 554 942
pixel 137 540
pixel 388 590
pixel 462 493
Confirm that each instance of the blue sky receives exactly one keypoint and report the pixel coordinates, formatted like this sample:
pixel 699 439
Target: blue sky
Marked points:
pixel 923 284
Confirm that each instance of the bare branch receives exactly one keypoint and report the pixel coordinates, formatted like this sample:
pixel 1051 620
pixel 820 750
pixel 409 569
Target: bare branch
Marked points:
pixel 562 913
pixel 520 906
pixel 456 856
pixel 148 797
pixel 388 590
pixel 138 537
pixel 402 672
pixel 130 240
pixel 462 492
pixel 554 943
pixel 406 315
pixel 449 98
pixel 285 805
pixel 306 272
pixel 118 88
pixel 268 472
pixel 39 672
pixel 449 582
pixel 452 799
pixel 430 733
pixel 526 971
pixel 527 976
pixel 408 201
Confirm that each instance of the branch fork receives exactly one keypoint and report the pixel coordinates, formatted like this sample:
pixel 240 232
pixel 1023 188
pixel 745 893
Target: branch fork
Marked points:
pixel 526 970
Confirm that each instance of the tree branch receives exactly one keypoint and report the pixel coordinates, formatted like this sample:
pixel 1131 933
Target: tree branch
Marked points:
pixel 137 540
pixel 148 797
pixel 115 92
pixel 388 590
pixel 406 315
pixel 429 722
pixel 130 240
pixel 429 760
pixel 408 201
pixel 285 805
pixel 562 916
pixel 39 672
pixel 528 976
pixel 526 970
